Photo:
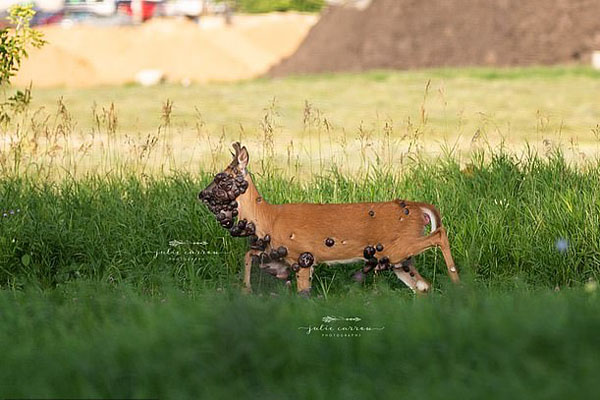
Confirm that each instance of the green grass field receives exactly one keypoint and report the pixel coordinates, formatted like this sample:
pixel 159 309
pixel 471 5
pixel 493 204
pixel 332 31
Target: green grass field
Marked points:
pixel 117 283
pixel 349 119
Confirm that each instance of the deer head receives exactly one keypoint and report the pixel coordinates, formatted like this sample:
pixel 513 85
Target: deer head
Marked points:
pixel 227 186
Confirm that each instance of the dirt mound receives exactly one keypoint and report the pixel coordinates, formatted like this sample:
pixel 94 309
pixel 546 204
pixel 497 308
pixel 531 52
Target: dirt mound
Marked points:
pixel 426 33
pixel 96 55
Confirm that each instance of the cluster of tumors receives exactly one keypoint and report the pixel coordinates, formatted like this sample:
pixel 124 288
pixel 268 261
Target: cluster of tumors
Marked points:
pixel 221 200
pixel 373 262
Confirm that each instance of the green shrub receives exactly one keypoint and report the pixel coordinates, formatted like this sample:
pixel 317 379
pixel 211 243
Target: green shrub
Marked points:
pixel 261 6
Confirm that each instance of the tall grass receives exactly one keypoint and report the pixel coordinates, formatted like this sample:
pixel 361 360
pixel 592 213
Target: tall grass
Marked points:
pixel 530 219
pixel 350 120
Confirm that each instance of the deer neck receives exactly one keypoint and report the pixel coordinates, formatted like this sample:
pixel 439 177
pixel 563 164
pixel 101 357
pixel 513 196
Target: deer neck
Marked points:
pixel 253 208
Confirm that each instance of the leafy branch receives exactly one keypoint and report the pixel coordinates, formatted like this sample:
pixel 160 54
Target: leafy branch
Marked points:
pixel 14 42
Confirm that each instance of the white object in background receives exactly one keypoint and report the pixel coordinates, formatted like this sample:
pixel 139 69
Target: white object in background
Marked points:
pixel 596 59
pixel 149 77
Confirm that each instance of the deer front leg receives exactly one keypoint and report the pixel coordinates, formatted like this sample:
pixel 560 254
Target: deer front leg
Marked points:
pixel 407 273
pixel 303 280
pixel 304 270
pixel 247 269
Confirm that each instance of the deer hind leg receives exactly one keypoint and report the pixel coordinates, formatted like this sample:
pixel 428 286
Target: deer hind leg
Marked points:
pixel 436 239
pixel 445 247
pixel 407 273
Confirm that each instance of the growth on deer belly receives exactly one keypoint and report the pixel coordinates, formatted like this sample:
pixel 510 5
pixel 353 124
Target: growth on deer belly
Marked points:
pixel 278 254
pixel 369 252
pixel 384 263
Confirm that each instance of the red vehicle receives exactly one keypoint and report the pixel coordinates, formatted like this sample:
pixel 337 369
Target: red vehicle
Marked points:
pixel 149 8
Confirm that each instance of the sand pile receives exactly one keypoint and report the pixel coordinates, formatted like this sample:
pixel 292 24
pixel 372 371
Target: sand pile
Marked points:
pixel 427 33
pixel 89 55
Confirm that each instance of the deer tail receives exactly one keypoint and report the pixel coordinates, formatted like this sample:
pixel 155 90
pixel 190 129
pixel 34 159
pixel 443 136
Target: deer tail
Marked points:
pixel 433 214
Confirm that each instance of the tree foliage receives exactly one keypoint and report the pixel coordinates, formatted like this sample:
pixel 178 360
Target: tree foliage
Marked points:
pixel 15 40
pixel 260 6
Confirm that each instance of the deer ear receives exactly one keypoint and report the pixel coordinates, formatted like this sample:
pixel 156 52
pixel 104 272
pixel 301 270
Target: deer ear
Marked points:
pixel 242 158
pixel 237 147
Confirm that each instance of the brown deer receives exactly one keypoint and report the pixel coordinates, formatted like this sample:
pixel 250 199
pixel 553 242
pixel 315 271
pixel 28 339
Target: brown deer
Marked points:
pixel 301 235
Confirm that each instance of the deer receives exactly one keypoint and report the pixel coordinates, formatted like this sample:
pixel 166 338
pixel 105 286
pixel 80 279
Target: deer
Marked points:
pixel 299 236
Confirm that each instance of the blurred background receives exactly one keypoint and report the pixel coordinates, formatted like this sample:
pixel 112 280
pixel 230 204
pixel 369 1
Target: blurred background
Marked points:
pixel 120 41
pixel 344 81
pixel 114 42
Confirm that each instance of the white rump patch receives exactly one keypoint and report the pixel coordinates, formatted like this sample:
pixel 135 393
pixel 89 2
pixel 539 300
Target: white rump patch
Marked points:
pixel 432 218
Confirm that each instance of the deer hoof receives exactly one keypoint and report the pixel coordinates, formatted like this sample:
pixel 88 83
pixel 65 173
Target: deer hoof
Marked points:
pixel 246 290
pixel 422 286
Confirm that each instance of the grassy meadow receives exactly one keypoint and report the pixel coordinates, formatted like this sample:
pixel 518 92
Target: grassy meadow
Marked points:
pixel 117 283
pixel 304 123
